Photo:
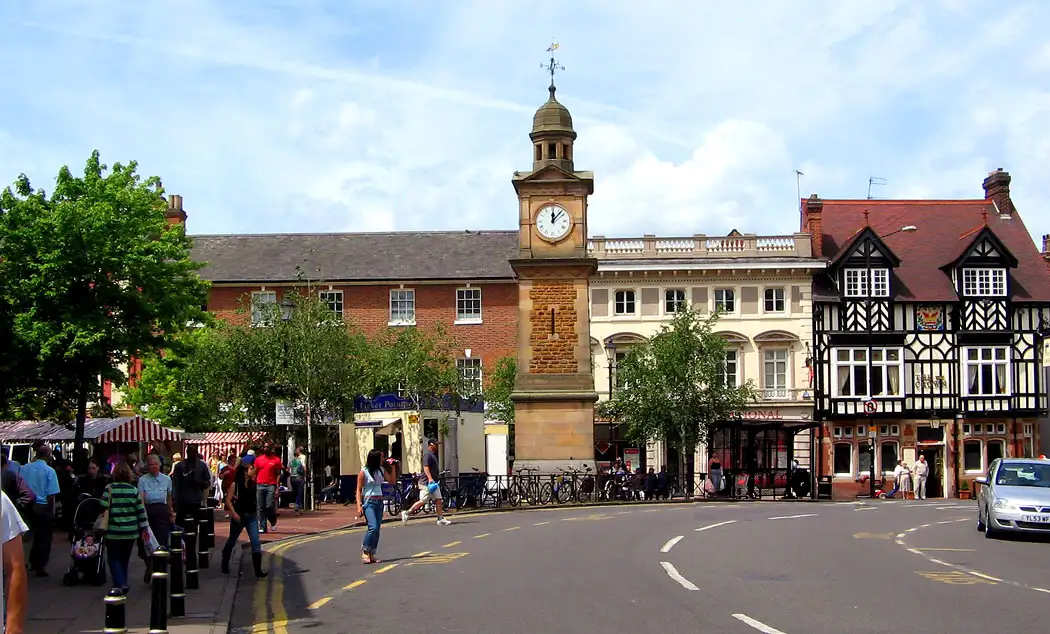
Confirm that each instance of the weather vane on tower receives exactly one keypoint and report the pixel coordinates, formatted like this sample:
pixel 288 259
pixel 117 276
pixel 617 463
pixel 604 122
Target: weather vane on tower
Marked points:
pixel 553 65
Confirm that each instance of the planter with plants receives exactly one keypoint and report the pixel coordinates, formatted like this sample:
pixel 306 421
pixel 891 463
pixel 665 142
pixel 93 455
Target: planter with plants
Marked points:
pixel 964 490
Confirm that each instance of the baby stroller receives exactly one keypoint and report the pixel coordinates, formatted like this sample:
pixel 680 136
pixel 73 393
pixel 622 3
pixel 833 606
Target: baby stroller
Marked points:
pixel 88 552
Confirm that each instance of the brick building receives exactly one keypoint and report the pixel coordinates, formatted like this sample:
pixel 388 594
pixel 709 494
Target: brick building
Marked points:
pixel 928 331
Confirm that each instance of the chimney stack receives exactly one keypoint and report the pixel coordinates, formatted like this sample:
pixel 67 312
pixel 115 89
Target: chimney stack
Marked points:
pixel 1046 249
pixel 174 214
pixel 813 224
pixel 997 190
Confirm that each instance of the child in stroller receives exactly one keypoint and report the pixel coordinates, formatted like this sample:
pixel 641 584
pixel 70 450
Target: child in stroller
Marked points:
pixel 87 553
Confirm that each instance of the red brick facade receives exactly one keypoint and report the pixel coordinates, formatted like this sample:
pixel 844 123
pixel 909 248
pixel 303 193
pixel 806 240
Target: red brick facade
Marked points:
pixel 368 306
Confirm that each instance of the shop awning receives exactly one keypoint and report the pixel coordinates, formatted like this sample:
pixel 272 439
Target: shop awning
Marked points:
pixel 383 426
pixel 222 444
pixel 127 429
pixel 29 430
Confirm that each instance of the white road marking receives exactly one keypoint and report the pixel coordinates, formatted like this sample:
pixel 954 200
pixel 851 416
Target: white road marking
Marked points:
pixel 710 526
pixel 670 544
pixel 791 517
pixel 938 561
pixel 946 522
pixel 984 576
pixel 1041 590
pixel 758 625
pixel 540 523
pixel 673 573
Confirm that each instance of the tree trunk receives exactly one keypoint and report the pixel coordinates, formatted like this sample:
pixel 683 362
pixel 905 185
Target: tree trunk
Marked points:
pixel 79 452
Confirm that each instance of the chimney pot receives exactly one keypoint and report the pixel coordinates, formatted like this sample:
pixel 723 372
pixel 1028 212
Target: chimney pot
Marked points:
pixel 175 214
pixel 813 223
pixel 997 189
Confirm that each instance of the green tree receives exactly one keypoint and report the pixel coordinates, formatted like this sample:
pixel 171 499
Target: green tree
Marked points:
pixel 500 386
pixel 93 276
pixel 672 386
pixel 419 364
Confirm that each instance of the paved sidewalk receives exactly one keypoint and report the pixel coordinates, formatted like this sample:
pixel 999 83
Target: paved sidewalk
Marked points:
pixel 57 609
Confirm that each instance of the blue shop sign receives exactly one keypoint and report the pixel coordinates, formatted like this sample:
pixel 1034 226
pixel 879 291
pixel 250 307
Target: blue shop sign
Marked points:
pixel 393 402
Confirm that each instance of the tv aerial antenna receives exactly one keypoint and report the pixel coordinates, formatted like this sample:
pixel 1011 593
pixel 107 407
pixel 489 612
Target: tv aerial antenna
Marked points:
pixel 877 181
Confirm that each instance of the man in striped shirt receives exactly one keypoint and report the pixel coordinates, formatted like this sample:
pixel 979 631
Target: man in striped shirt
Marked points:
pixel 127 522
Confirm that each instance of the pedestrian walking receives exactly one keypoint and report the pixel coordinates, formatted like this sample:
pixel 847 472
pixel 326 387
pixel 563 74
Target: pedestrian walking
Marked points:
pixel 297 468
pixel 921 471
pixel 13 568
pixel 125 521
pixel 43 481
pixel 429 488
pixel 155 489
pixel 370 502
pixel 268 468
pixel 189 480
pixel 242 506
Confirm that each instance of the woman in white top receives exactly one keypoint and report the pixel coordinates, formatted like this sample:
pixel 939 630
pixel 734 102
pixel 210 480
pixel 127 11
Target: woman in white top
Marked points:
pixel 901 479
pixel 370 502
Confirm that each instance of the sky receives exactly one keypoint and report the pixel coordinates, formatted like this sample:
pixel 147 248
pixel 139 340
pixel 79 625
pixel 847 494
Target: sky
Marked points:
pixel 373 115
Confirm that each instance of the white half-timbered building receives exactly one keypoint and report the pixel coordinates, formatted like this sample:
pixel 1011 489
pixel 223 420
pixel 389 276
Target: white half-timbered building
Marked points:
pixel 928 333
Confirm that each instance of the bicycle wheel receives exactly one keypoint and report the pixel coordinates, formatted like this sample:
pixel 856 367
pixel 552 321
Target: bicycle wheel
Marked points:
pixel 546 493
pixel 514 494
pixel 565 492
pixel 394 505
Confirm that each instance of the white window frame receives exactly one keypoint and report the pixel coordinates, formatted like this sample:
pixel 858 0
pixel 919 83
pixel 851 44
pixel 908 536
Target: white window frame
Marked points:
pixel 466 297
pixel 895 430
pixel 470 372
pixel 984 282
pixel 980 444
pixel 735 374
pixel 257 317
pixel 852 459
pixel 625 297
pixel 994 362
pixel 897 453
pixel 1000 429
pixel 728 299
pixel 776 392
pixel 862 431
pixel 402 296
pixel 333 298
pixel 836 432
pixel 769 294
pixel 883 365
pixel 861 282
pixel 675 302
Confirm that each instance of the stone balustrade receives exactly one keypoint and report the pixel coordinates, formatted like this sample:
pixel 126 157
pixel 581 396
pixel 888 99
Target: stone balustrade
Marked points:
pixel 701 246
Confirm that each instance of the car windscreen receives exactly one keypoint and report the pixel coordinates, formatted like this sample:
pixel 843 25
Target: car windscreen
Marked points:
pixel 1023 474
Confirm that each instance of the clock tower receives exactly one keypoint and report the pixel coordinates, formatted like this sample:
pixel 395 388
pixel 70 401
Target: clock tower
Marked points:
pixel 554 391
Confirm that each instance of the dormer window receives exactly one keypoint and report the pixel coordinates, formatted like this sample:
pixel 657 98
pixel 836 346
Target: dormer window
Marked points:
pixel 984 282
pixel 866 282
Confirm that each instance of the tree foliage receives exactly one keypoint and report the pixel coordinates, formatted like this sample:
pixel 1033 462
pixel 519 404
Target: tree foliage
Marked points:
pixel 499 388
pixel 672 386
pixel 92 276
pixel 417 363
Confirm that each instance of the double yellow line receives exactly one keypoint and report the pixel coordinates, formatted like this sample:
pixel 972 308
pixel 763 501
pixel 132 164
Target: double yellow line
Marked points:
pixel 268 599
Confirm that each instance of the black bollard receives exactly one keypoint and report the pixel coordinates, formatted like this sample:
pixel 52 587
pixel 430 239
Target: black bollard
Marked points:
pixel 116 616
pixel 202 539
pixel 209 518
pixel 158 609
pixel 159 559
pixel 176 578
pixel 192 580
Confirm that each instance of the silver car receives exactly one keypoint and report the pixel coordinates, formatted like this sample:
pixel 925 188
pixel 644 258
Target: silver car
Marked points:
pixel 1015 496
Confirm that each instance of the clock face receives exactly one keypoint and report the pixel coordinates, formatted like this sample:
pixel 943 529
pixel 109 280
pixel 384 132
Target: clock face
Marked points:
pixel 553 222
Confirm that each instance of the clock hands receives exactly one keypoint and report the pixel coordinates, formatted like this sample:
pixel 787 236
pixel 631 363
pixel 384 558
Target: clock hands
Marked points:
pixel 554 215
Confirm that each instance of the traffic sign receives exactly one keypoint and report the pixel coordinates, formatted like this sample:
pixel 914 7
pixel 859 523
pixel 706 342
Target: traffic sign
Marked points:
pixel 871 406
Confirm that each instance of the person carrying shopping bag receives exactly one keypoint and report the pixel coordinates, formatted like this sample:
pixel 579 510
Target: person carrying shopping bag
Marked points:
pixel 370 502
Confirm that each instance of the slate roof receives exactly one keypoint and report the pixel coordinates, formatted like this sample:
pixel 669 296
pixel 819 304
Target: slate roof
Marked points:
pixel 353 257
pixel 944 227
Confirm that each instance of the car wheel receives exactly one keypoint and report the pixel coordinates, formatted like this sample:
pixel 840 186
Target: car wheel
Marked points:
pixel 989 532
pixel 980 520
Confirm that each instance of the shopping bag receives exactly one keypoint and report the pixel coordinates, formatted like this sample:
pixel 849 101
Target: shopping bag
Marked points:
pixel 153 545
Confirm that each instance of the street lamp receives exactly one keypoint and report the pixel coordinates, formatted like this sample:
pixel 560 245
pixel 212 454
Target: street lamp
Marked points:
pixel 287 308
pixel 610 353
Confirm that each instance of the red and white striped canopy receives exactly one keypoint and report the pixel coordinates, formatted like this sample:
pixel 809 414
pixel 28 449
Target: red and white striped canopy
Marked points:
pixel 128 429
pixel 222 444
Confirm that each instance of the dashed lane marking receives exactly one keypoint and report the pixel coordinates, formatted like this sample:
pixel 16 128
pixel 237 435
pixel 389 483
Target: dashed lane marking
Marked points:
pixel 710 526
pixel 1041 590
pixel 873 536
pixel 758 625
pixel 451 544
pixel 541 523
pixel 866 508
pixel 436 559
pixel 952 550
pixel 512 528
pixel 666 548
pixel 318 604
pixel 482 535
pixel 355 584
pixel 422 554
pixel 955 578
pixel 793 517
pixel 674 574
pixel 385 568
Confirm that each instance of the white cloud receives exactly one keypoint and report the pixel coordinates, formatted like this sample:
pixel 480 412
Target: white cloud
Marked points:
pixel 694 116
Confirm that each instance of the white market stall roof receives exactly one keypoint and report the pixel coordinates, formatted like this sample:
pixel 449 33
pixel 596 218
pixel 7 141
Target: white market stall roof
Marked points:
pixel 97 430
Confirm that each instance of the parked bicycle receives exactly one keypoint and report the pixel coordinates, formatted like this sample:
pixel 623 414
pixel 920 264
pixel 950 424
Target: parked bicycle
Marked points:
pixel 566 487
pixel 525 487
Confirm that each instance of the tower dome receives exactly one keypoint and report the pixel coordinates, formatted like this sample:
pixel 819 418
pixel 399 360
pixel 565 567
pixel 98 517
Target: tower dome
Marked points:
pixel 552 135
